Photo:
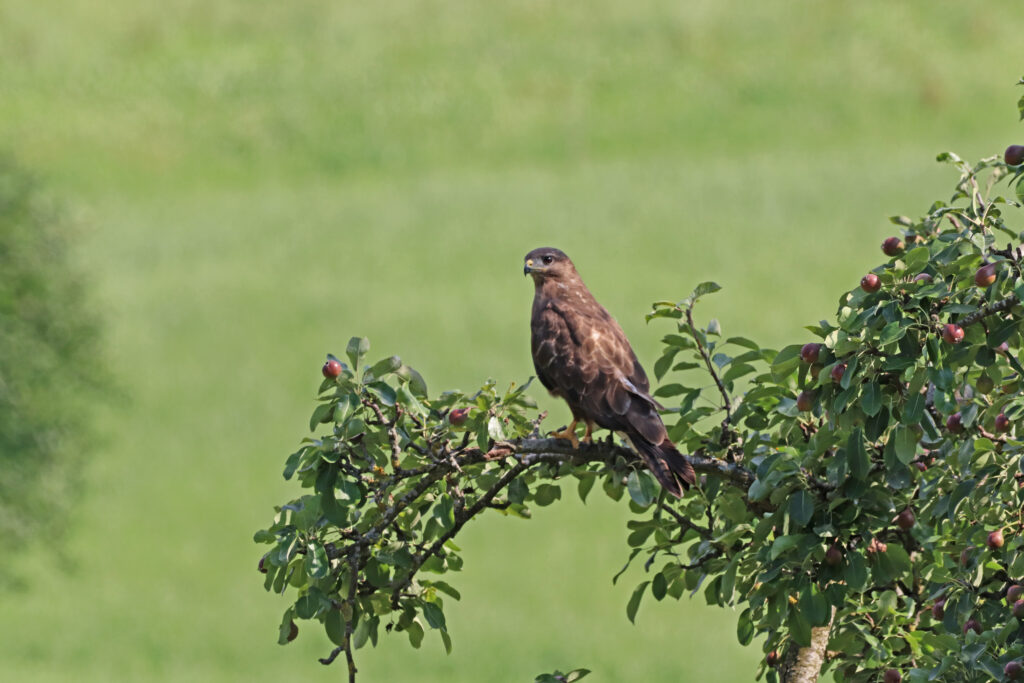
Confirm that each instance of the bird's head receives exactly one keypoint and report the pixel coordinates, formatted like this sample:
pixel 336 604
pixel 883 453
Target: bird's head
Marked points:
pixel 548 263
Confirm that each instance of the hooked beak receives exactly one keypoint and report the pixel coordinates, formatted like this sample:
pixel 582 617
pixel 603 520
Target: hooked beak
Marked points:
pixel 528 267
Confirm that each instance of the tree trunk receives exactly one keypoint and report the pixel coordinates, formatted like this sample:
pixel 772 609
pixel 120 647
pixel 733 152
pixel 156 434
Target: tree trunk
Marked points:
pixel 803 665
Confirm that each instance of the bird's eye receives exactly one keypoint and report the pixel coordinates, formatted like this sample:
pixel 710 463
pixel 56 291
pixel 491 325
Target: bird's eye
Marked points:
pixel 547 260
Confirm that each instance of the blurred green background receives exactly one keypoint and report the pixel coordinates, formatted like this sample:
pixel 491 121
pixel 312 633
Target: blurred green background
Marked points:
pixel 262 180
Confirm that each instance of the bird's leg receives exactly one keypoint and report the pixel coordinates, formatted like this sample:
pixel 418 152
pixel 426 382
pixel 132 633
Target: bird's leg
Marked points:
pixel 568 433
pixel 586 437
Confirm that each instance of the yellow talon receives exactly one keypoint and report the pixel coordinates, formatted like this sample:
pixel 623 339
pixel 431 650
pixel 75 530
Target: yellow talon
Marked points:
pixel 569 433
pixel 586 437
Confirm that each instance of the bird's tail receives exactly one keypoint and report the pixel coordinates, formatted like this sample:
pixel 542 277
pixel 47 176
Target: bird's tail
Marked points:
pixel 667 465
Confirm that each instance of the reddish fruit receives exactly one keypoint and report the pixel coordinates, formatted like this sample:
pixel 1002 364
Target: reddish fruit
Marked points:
pixel 1012 670
pixel 984 384
pixel 892 246
pixel 805 401
pixel 772 658
pixel 892 676
pixel 809 352
pixel 1014 155
pixel 1018 609
pixel 973 625
pixel 939 609
pixel 837 372
pixel 995 540
pixel 923 277
pixel 332 369
pixel 965 557
pixel 906 519
pixel 952 333
pixel 1014 593
pixel 920 466
pixel 293 632
pixel 870 283
pixel 833 556
pixel 1002 423
pixel 954 424
pixel 986 275
pixel 458 417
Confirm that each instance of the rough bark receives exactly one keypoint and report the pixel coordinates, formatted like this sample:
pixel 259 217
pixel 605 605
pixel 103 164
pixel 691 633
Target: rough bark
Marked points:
pixel 803 665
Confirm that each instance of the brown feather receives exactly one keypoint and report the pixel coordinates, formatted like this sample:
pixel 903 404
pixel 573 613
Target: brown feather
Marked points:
pixel 581 354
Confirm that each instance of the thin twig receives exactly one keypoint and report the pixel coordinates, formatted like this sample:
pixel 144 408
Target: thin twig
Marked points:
pixel 481 503
pixel 703 532
pixel 726 403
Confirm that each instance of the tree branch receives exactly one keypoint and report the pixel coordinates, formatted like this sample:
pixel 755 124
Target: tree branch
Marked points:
pixel 726 403
pixel 803 665
pixel 558 451
pixel 481 503
pixel 991 309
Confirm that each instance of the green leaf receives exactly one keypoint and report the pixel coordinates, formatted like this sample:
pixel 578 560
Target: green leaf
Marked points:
pixel 407 399
pixel 891 332
pixel 417 385
pixel 744 342
pixel 917 259
pixel 585 485
pixel 759 490
pixel 634 601
pixel 745 628
pixel 494 429
pixel 335 627
pixel 320 413
pixel 317 565
pixel 814 607
pixel 784 544
pixel 362 632
pixel 546 494
pixel 856 571
pixel 292 463
pixel 906 444
pixel 415 633
pixel 786 360
pixel 434 616
pixel 856 457
pixel 382 368
pixel 356 350
pixel 662 365
pixel 642 487
pixel 659 586
pixel 799 628
pixel 958 495
pixel 801 507
pixel 704 289
pixel 871 398
pixel 913 409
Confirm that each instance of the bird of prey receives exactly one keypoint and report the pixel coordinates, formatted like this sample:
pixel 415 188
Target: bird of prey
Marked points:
pixel 582 355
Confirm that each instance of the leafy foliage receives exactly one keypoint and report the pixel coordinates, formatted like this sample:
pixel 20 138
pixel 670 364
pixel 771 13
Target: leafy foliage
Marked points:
pixel 852 485
pixel 48 349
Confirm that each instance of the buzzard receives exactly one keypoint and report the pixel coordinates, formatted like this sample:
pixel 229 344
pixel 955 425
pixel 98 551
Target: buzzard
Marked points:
pixel 582 355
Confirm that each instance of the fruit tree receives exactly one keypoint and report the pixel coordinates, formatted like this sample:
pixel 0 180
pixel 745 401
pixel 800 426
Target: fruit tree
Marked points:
pixel 860 494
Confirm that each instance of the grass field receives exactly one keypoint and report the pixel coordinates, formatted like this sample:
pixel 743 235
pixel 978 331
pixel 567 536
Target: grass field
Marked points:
pixel 260 181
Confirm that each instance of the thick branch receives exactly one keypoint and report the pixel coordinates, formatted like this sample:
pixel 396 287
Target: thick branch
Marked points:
pixel 804 664
pixel 560 450
pixel 991 309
